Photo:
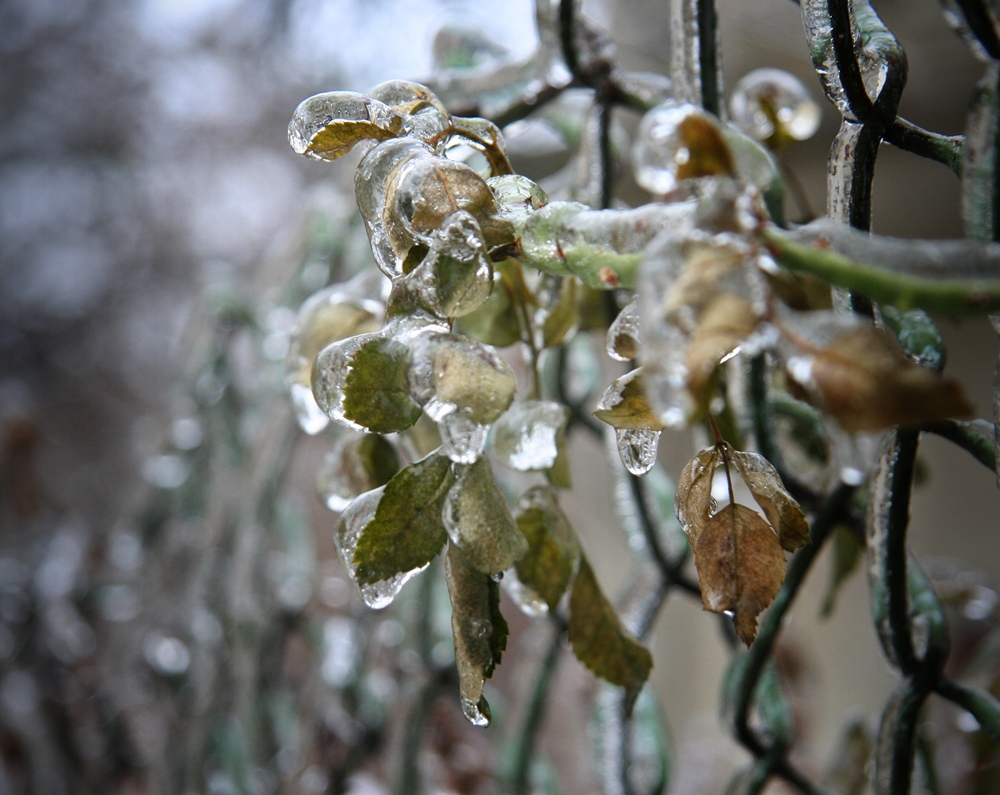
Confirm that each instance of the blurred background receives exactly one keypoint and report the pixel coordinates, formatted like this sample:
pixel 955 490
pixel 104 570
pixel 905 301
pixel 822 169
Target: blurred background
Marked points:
pixel 172 616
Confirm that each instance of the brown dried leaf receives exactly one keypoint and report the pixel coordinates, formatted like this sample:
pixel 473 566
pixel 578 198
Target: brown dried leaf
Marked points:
pixel 693 498
pixel 865 382
pixel 741 566
pixel 780 508
pixel 724 324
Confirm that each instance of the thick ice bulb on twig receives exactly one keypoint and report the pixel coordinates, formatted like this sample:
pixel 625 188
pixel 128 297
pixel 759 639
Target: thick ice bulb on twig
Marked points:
pixel 774 107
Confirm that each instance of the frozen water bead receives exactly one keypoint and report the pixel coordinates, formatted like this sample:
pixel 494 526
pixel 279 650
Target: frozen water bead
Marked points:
pixel 771 102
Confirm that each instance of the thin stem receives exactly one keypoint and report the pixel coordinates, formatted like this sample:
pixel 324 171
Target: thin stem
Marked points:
pixel 528 731
pixel 981 704
pixel 980 447
pixel 895 572
pixel 708 56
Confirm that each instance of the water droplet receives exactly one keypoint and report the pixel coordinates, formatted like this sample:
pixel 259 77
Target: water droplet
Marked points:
pixel 166 654
pixel 527 436
pixel 637 448
pixel 772 102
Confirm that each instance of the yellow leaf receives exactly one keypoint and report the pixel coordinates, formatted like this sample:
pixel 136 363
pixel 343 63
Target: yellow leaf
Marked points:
pixel 624 405
pixel 741 566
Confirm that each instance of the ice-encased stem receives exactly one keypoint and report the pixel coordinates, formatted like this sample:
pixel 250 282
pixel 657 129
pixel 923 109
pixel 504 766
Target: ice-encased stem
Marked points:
pixel 696 64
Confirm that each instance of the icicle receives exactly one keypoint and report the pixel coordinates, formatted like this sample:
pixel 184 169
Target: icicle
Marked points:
pixel 637 448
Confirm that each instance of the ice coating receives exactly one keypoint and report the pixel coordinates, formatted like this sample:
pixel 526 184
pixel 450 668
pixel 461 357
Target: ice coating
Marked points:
pixel 526 437
pixel 624 339
pixel 462 440
pixel 372 180
pixel 329 376
pixel 356 516
pixel 360 117
pixel 637 448
pixel 424 116
pixel 771 102
pixel 674 292
pixel 456 276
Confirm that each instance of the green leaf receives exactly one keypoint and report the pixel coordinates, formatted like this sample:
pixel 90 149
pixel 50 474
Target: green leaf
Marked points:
pixel 407 530
pixel 600 641
pixel 918 335
pixel 552 548
pixel 480 523
pixel 479 630
pixel 376 390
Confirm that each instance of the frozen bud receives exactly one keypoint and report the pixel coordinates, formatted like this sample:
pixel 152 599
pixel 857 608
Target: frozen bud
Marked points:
pixel 675 143
pixel 774 107
pixel 424 115
pixel 517 196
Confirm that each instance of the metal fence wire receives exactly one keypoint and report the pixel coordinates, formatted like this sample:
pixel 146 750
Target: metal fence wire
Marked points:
pixel 863 70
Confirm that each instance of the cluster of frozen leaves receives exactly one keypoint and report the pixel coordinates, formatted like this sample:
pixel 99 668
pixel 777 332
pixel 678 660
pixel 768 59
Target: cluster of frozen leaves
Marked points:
pixel 408 360
pixel 406 364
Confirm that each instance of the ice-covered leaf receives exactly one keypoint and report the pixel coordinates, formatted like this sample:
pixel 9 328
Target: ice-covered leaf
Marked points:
pixel 406 531
pixel 624 405
pixel 356 517
pixel 780 508
pixel 773 106
pixel 327 126
pixel 740 564
pixel 527 436
pixel 553 551
pixel 357 463
pixel 479 630
pixel 479 522
pixel 455 276
pixel 709 267
pixel 426 191
pixel 864 381
pixel 600 641
pixel 452 374
pixel 374 186
pixel 376 388
pixel 723 326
